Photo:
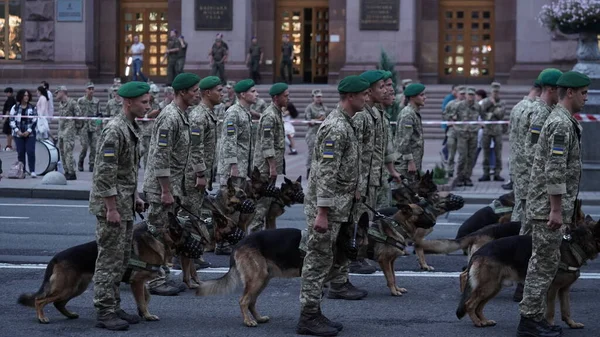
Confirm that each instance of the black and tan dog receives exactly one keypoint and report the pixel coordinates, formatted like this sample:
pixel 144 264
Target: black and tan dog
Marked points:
pixel 499 211
pixel 268 254
pixel 70 272
pixel 290 193
pixel 505 260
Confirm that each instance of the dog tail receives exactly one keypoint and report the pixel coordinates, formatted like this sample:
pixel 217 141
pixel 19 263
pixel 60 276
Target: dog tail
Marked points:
pixel 461 311
pixel 445 246
pixel 28 299
pixel 223 285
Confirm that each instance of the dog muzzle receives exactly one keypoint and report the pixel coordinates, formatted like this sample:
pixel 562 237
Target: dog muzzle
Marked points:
pixel 299 197
pixel 455 202
pixel 246 207
pixel 272 191
pixel 192 247
pixel 235 236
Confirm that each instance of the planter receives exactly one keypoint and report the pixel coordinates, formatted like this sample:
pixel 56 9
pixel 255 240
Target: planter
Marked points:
pixel 588 55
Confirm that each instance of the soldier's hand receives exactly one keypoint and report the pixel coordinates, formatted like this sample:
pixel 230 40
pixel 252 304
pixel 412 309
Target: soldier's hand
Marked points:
pixel 113 217
pixel 234 171
pixel 201 183
pixel 397 177
pixel 166 198
pixel 321 224
pixel 273 174
pixel 412 168
pixel 555 221
pixel 139 205
pixel 357 195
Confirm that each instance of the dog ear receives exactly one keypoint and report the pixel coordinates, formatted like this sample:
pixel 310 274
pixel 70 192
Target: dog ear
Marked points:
pixel 299 180
pixel 419 175
pixel 287 181
pixel 404 208
pixel 255 174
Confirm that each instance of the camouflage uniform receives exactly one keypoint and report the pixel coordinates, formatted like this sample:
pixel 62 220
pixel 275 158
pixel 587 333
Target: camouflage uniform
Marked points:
pixel 467 137
pixel 116 175
pixel 147 127
pixel 383 153
pixel 519 127
pixel 90 129
pixel 167 157
pixel 255 51
pixel 334 183
pixel 172 70
pixel 384 195
pixel 218 66
pixel 492 112
pixel 270 143
pixel 113 108
pixel 556 171
pixel 313 111
pixel 67 132
pixel 236 144
pixel 259 107
pixel 364 126
pixel 451 134
pixel 409 141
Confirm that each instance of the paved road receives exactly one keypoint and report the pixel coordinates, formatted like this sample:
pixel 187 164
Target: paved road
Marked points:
pixel 33 230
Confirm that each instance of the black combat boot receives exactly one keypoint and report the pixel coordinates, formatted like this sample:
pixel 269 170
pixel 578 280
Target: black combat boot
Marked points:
pixel 497 177
pixel 70 176
pixel 518 295
pixel 129 318
pixel 314 325
pixel 468 182
pixel 485 177
pixel 508 186
pixel 345 291
pixel 337 325
pixel 528 327
pixel 111 322
pixel 361 266
pixel 80 166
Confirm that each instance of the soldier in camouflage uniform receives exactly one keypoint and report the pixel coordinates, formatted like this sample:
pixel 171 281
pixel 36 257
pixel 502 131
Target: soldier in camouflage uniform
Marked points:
pixel 516 144
pixel 551 198
pixel 314 112
pixel 384 195
pixel 236 137
pixel 401 98
pixel 451 133
pixel 117 85
pixel 332 192
pixel 147 125
pixel 270 149
pixel 67 107
pixel 493 111
pixel 254 60
pixel 169 96
pixel 410 145
pixel 164 177
pixel 172 54
pixel 467 110
pixel 113 106
pixel 218 57
pixel 256 110
pixel 89 129
pixel 113 199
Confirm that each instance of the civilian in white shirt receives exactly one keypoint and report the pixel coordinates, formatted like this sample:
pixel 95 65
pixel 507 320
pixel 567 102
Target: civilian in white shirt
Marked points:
pixel 50 99
pixel 137 54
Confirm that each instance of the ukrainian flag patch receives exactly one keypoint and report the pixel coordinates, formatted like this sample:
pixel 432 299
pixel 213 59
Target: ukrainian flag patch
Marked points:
pixel 195 132
pixel 535 129
pixel 328 155
pixel 109 152
pixel 558 150
pixel 163 138
pixel 329 143
pixel 230 128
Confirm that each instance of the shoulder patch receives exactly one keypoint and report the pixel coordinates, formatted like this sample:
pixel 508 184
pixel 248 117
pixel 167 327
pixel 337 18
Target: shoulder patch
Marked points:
pixel 109 153
pixel 558 145
pixel 408 124
pixel 328 150
pixel 163 138
pixel 230 128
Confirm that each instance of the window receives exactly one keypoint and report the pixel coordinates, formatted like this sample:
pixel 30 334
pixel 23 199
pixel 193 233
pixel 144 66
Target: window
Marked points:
pixel 10 30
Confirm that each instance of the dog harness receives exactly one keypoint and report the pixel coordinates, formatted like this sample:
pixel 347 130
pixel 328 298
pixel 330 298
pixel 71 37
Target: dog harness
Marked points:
pixel 192 246
pixel 135 263
pixel 577 252
pixel 378 236
pixel 498 208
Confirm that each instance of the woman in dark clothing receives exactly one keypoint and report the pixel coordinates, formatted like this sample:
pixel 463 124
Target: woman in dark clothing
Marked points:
pixel 23 122
pixel 10 102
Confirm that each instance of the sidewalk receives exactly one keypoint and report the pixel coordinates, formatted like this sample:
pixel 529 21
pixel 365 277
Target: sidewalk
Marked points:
pixel 482 192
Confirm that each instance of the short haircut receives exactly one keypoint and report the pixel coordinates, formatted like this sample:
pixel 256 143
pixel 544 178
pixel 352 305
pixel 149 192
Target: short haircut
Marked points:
pixel 562 93
pixel 8 90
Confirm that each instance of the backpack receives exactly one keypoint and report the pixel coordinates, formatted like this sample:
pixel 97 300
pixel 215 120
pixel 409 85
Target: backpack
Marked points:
pixel 17 171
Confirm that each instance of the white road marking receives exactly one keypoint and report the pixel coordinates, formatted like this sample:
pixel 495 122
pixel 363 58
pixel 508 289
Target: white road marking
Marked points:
pixel 223 270
pixel 448 224
pixel 15 217
pixel 45 205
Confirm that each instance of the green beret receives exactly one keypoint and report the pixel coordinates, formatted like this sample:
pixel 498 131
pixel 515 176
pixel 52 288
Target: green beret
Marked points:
pixel 549 76
pixel 185 81
pixel 413 89
pixel 243 86
pixel 209 82
pixel 133 89
pixel 573 79
pixel 277 89
pixel 372 76
pixel 537 83
pixel 353 84
pixel 387 75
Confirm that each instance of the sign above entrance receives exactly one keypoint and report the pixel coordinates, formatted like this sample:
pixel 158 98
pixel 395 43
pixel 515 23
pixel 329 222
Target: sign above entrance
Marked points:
pixel 214 14
pixel 69 10
pixel 379 14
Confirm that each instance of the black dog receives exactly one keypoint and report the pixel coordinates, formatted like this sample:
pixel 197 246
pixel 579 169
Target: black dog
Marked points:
pixel 499 213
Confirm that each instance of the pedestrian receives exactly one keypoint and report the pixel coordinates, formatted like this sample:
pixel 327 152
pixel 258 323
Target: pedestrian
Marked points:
pixel 137 55
pixel 287 58
pixel 181 54
pixel 452 141
pixel 314 114
pixel 270 150
pixel 453 95
pixel 42 106
pixel 50 98
pixel 254 60
pixel 164 176
pixel 89 129
pixel 493 111
pixel 173 47
pixel 480 95
pixel 67 107
pixel 409 142
pixel 551 197
pixel 113 199
pixel 466 111
pixel 289 114
pixel 6 129
pixel 218 57
pixel 328 204
pixel 23 122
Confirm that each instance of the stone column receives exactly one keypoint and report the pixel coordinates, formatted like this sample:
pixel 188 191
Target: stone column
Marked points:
pixel 39 30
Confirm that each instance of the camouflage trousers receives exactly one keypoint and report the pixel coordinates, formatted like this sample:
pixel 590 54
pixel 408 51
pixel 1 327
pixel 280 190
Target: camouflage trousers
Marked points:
pixel 451 144
pixel 258 222
pixel 310 146
pixel 518 213
pixel 486 142
pixel 145 148
pixel 542 268
pixel 88 139
pixel 65 148
pixel 114 248
pixel 193 200
pixel 320 265
pixel 467 147
pixel 526 225
pixel 159 218
pixel 384 193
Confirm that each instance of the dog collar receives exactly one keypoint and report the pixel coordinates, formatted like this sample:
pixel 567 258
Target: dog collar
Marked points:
pixel 498 208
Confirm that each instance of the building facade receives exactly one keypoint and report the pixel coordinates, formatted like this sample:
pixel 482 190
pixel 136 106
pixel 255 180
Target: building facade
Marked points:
pixel 433 41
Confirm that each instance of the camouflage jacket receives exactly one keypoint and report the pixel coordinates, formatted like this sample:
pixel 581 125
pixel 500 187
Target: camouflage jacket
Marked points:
pixel 148 124
pixel 364 127
pixel 409 141
pixel 528 136
pixel 400 98
pixel 236 141
pixel 516 132
pixel 335 162
pixel 450 110
pixel 89 108
pixel 169 151
pixel 314 111
pixel 557 166
pixel 465 112
pixel 260 106
pixel 492 112
pixel 116 168
pixel 203 125
pixel 383 151
pixel 270 141
pixel 70 108
pixel 113 108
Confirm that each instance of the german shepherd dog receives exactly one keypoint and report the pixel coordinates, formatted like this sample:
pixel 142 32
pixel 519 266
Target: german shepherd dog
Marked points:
pixel 268 254
pixel 289 194
pixel 505 260
pixel 487 216
pixel 70 271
